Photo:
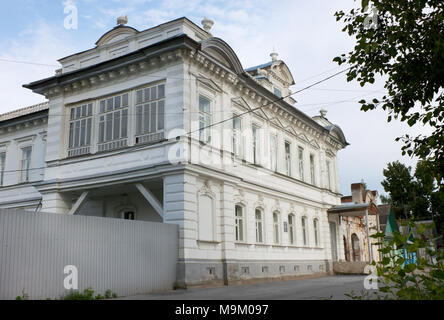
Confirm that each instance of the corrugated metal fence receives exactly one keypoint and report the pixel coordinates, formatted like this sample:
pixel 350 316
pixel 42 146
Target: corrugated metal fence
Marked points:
pixel 127 257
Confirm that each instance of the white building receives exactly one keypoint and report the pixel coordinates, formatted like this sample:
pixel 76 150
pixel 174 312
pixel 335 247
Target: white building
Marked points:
pixel 166 125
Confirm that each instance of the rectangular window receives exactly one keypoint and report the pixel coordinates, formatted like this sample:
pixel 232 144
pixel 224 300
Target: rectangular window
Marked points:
pixel 259 226
pixel 237 138
pixel 273 152
pixel 256 144
pixel 291 228
pixel 304 231
pixel 2 167
pixel 276 227
pixel 26 164
pixel 113 122
pixel 312 169
pixel 150 113
pixel 278 92
pixel 288 157
pixel 301 163
pixel 204 120
pixel 316 231
pixel 80 127
pixel 239 223
pixel 327 164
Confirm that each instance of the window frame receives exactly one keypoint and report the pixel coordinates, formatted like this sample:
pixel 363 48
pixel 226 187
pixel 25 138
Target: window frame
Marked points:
pixel 239 230
pixel 237 137
pixel 312 169
pixel 255 130
pixel 301 163
pixel 273 152
pixel 276 227
pixel 304 227
pixel 145 119
pixel 102 137
pixel 260 231
pixel 288 157
pixel 291 229
pixel 2 167
pixel 77 117
pixel 205 132
pixel 27 171
pixel 316 232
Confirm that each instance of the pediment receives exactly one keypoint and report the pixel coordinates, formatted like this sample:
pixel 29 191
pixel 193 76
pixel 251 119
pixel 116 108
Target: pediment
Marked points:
pixel 240 101
pixel 209 83
pixel 222 52
pixel 116 34
pixel 303 138
pixel 314 144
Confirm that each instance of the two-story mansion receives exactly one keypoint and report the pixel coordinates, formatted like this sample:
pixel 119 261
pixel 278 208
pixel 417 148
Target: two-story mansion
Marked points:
pixel 166 125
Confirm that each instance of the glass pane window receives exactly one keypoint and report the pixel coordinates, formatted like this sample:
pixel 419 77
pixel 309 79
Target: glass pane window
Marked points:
pixel 304 231
pixel 291 228
pixel 204 120
pixel 256 144
pixel 26 163
pixel 150 109
pixel 312 170
pixel 301 163
pixel 273 152
pixel 259 226
pixel 113 118
pixel 239 223
pixel 2 167
pixel 80 126
pixel 237 143
pixel 316 231
pixel 276 227
pixel 288 157
pixel 327 164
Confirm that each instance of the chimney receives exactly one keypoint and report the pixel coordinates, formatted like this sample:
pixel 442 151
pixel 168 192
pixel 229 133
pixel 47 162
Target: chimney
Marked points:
pixel 357 190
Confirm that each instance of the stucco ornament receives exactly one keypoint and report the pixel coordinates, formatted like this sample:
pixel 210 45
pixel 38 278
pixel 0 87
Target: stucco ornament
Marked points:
pixel 206 189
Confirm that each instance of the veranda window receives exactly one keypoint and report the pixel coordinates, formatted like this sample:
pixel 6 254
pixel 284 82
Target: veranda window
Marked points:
pixel 113 122
pixel 80 129
pixel 150 113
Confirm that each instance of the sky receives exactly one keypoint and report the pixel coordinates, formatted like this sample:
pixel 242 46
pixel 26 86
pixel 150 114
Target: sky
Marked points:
pixel 305 34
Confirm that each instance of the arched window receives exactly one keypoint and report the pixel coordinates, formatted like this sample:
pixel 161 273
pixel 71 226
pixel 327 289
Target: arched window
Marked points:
pixel 276 235
pixel 239 213
pixel 304 231
pixel 356 247
pixel 259 226
pixel 316 231
pixel 291 234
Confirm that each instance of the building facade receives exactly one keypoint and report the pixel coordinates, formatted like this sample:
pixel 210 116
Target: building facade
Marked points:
pixel 166 125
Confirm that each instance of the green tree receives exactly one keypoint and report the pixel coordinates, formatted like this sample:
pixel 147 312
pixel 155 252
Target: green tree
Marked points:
pixel 398 183
pixel 403 42
pixel 416 196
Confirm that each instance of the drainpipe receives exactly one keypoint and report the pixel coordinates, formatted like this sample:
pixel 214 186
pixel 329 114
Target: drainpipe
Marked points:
pixel 370 256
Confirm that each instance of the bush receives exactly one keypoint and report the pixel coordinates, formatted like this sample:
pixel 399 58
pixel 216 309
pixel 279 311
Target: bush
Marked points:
pixel 88 294
pixel 403 279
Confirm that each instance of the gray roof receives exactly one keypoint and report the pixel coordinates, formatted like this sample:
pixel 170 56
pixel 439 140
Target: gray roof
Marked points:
pixel 265 65
pixel 24 111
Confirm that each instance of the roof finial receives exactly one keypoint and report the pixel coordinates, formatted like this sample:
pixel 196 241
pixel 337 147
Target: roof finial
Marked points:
pixel 323 112
pixel 207 24
pixel 273 56
pixel 122 20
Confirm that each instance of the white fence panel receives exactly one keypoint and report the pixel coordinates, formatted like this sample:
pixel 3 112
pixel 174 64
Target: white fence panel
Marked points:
pixel 127 257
